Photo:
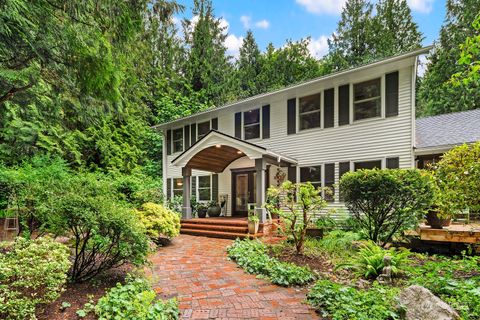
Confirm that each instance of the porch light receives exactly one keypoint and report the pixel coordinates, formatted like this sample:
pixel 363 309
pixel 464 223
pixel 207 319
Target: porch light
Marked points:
pixel 179 183
pixel 239 152
pixel 218 145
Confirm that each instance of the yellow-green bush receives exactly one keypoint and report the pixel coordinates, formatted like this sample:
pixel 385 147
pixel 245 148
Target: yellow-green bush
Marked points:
pixel 159 222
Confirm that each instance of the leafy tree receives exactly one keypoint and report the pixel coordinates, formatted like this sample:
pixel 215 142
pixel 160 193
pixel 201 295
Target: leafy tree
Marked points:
pixel 470 58
pixel 394 29
pixel 436 94
pixel 352 42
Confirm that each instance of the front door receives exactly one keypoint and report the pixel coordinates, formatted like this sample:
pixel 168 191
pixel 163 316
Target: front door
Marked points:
pixel 243 185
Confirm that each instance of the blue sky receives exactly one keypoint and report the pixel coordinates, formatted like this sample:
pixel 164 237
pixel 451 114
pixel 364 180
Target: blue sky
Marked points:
pixel 277 20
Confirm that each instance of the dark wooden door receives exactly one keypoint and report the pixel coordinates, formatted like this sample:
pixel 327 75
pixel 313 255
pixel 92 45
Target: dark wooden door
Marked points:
pixel 243 191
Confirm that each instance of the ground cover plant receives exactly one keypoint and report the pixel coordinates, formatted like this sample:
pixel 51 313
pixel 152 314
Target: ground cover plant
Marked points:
pixel 252 256
pixel 32 272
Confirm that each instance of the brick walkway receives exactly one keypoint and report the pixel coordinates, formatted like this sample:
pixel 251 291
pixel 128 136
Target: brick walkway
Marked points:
pixel 208 286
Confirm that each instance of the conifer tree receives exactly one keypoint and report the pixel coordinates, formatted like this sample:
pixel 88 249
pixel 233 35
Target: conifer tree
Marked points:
pixel 249 66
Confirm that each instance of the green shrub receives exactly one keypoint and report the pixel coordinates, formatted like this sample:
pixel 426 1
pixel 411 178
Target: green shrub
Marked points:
pixel 456 281
pixel 31 272
pixel 368 262
pixel 458 175
pixel 336 243
pixel 252 256
pixel 339 302
pixel 135 300
pixel 386 202
pixel 295 203
pixel 159 222
pixel 138 188
pixel 105 232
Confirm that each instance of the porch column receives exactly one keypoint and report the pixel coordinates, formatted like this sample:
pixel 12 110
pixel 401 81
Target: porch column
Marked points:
pixel 186 208
pixel 260 168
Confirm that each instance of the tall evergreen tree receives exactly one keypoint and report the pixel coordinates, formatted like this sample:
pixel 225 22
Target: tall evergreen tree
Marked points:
pixel 207 66
pixel 249 66
pixel 394 29
pixel 436 93
pixel 352 42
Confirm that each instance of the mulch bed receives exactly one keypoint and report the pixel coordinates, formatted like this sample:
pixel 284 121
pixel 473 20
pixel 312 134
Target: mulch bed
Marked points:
pixel 78 294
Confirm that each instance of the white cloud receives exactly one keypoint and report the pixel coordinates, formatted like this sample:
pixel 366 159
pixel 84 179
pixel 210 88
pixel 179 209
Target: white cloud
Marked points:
pixel 262 24
pixel 423 6
pixel 246 21
pixel 318 47
pixel 323 6
pixel 233 44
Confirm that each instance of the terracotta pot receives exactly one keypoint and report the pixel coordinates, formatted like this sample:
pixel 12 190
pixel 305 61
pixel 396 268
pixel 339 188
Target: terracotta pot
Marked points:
pixel 202 212
pixel 253 227
pixel 315 233
pixel 214 211
pixel 435 222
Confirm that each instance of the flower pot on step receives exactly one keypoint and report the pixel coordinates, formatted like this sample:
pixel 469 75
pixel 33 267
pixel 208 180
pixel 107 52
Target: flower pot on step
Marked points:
pixel 253 227
pixel 435 222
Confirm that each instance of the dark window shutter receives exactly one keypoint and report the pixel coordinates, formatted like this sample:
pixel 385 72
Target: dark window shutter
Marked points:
pixel 194 188
pixel 266 122
pixel 393 163
pixel 215 124
pixel 328 108
pixel 292 174
pixel 169 188
pixel 344 105
pixel 214 187
pixel 169 142
pixel 344 167
pixel 193 133
pixel 291 116
pixel 330 181
pixel 186 134
pixel 238 125
pixel 391 94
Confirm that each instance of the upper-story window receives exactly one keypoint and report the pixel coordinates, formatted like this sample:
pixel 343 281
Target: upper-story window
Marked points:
pixel 367 99
pixel 309 112
pixel 251 124
pixel 203 128
pixel 311 174
pixel 177 140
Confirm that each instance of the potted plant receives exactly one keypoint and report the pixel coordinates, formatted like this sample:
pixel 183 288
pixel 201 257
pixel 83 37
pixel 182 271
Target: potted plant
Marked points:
pixel 253 222
pixel 202 210
pixel 214 209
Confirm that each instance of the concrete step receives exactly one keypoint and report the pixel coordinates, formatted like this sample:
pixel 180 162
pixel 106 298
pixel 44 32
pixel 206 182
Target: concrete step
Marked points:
pixel 219 234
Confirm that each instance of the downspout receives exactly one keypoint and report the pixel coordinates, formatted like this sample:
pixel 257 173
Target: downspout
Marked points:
pixel 164 167
pixel 414 107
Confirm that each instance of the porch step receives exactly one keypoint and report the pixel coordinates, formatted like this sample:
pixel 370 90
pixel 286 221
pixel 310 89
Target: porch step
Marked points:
pixel 213 227
pixel 217 222
pixel 219 234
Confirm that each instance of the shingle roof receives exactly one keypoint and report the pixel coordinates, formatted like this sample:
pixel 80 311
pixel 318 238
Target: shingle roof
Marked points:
pixel 448 129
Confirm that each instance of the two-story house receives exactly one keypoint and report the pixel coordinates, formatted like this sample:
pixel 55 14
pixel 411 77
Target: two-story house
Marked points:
pixel 314 131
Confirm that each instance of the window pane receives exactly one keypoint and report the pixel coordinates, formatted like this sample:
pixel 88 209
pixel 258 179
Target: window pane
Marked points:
pixel 312 174
pixel 204 194
pixel 204 182
pixel 178 134
pixel 367 109
pixel 177 140
pixel 310 103
pixel 252 132
pixel 203 128
pixel 177 146
pixel 367 89
pixel 177 186
pixel 252 116
pixel 368 165
pixel 310 120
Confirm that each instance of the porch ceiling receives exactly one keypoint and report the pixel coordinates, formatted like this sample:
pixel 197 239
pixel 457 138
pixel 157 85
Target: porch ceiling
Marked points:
pixel 215 158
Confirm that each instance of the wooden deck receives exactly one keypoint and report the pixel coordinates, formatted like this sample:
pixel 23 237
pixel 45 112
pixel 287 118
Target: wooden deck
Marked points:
pixel 457 233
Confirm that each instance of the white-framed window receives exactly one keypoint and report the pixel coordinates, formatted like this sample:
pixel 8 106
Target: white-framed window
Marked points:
pixel 177 186
pixel 369 164
pixel 312 174
pixel 367 99
pixel 204 188
pixel 202 129
pixel 177 140
pixel 251 124
pixel 309 112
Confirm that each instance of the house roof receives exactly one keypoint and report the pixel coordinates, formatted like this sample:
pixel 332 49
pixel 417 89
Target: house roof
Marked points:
pixel 216 150
pixel 447 130
pixel 253 99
